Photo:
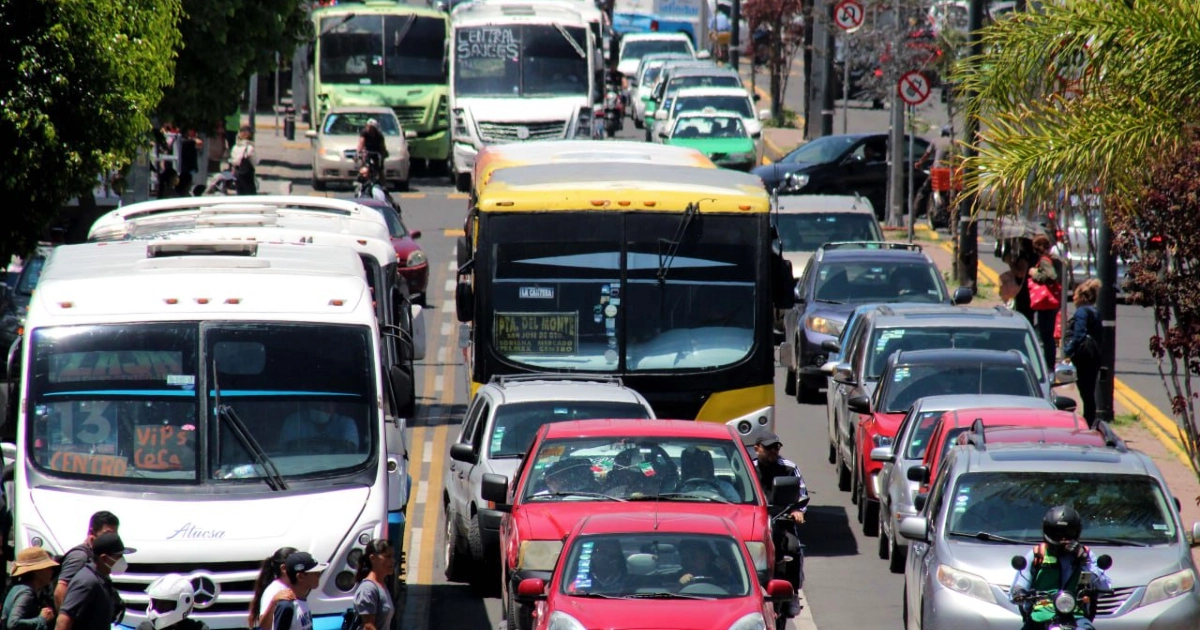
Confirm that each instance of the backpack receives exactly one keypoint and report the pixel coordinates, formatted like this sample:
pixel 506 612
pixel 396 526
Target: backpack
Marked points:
pixel 351 620
pixel 244 165
pixel 1087 350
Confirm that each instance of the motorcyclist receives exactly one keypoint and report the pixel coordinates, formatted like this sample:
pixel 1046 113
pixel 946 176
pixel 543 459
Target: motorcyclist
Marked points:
pixel 769 465
pixel 372 148
pixel 1056 564
pixel 171 601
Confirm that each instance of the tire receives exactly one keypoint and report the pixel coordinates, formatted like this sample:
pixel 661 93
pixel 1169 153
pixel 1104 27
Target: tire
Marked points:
pixel 637 122
pixel 480 577
pixel 832 453
pixel 904 609
pixel 897 556
pixel 885 541
pixel 519 617
pixel 843 471
pixel 789 383
pixel 855 488
pixel 806 393
pixel 401 185
pixel 455 552
pixel 319 185
pixel 462 182
pixel 869 510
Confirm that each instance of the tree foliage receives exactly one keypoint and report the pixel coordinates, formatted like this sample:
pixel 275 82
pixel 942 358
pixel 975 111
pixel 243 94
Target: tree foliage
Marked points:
pixel 885 48
pixel 783 21
pixel 78 82
pixel 224 42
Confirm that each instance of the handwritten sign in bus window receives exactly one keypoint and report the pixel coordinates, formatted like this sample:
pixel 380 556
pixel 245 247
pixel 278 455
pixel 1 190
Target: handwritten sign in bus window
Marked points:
pixel 165 447
pixel 135 365
pixel 489 42
pixel 89 464
pixel 537 333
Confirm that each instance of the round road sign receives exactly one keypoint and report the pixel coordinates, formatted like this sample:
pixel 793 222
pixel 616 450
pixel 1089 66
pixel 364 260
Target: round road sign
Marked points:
pixel 848 14
pixel 913 88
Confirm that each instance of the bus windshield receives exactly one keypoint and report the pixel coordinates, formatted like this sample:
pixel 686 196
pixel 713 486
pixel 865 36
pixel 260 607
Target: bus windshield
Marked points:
pixel 600 292
pixel 382 50
pixel 521 60
pixel 122 402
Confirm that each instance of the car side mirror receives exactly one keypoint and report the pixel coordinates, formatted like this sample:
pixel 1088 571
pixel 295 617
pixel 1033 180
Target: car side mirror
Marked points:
pixel 409 135
pixel 798 291
pixel 1104 562
pixel 494 488
pixel 785 491
pixel 779 591
pixel 703 54
pixel 660 114
pixel 1063 403
pixel 859 404
pixel 764 114
pixel 879 454
pixel 464 301
pixel 963 295
pixel 531 589
pixel 311 134
pixel 844 375
pixel 1019 563
pixel 662 134
pixel 919 474
pixel 915 528
pixel 1064 374
pixel 831 345
pixel 756 96
pixel 1195 541
pixel 919 501
pixel 464 453
pixel 415 234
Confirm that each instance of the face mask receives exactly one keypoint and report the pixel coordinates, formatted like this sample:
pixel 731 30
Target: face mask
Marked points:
pixel 119 567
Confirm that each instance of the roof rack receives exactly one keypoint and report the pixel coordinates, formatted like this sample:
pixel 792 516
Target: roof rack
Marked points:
pixel 977 437
pixel 871 245
pixel 1004 310
pixel 505 379
pixel 1111 439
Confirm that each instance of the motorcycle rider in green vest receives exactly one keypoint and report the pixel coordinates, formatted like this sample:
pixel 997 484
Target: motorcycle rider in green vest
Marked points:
pixel 1056 565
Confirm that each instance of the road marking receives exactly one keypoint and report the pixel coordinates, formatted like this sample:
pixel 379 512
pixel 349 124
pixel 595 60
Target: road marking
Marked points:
pixel 441 355
pixel 446 329
pixel 453 232
pixel 432 511
pixel 449 286
pixel 439 384
pixel 423 488
pixel 447 305
pixel 412 195
pixel 296 145
pixel 452 266
pixel 458 195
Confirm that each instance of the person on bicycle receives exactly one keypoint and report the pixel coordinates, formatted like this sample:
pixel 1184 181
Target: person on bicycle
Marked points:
pixel 372 148
pixel 769 464
pixel 1056 565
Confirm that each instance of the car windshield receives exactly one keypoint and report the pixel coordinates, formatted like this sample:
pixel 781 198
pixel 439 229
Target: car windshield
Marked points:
pixel 855 282
pixel 30 275
pixel 820 151
pixel 650 75
pixel 352 123
pixel 709 128
pixel 516 424
pixel 807 231
pixel 886 341
pixel 695 81
pixel 739 105
pixel 666 468
pixel 918 438
pixel 638 48
pixel 658 565
pixel 1129 508
pixel 910 382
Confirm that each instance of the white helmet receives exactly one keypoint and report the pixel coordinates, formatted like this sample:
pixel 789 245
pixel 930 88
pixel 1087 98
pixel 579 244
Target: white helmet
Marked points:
pixel 170 600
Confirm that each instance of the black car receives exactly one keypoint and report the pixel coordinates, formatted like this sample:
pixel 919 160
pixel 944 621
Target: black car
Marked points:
pixel 841 165
pixel 841 277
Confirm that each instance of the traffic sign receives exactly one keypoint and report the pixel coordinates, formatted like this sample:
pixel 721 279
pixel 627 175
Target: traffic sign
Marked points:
pixel 848 14
pixel 913 88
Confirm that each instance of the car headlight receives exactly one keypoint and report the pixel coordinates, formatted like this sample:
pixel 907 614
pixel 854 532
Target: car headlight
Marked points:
pixel 758 553
pixel 460 122
pixel 563 621
pixel 823 325
pixel 881 440
pixel 794 181
pixel 965 583
pixel 415 259
pixel 583 128
pixel 539 555
pixel 1169 586
pixel 753 621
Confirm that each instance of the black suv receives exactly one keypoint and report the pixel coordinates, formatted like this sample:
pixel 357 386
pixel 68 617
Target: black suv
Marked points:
pixel 839 278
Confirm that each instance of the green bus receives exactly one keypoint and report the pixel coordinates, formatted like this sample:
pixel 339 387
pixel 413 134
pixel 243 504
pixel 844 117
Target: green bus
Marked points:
pixel 384 53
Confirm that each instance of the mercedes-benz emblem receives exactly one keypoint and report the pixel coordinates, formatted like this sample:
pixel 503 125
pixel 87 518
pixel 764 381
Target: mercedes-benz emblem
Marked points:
pixel 522 133
pixel 206 590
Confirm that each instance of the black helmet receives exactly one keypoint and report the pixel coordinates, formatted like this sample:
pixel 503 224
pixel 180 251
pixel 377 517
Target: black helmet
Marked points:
pixel 1061 523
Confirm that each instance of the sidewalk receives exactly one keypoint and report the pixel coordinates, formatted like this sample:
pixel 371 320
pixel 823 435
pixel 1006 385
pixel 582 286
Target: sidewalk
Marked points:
pixel 1139 423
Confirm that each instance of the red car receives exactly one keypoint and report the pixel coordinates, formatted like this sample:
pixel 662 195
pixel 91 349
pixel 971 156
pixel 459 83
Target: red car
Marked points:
pixel 1026 425
pixel 412 263
pixel 575 469
pixel 647 570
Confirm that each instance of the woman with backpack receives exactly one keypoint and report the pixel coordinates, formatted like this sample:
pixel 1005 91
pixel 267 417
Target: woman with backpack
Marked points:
pixel 1084 331
pixel 242 159
pixel 29 604
pixel 372 601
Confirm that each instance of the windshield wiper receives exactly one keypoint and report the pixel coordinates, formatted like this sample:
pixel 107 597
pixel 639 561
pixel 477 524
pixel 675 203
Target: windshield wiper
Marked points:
pixel 681 495
pixel 412 19
pixel 593 495
pixel 665 260
pixel 989 537
pixel 1116 542
pixel 824 301
pixel 325 31
pixel 597 595
pixel 666 595
pixel 567 36
pixel 270 473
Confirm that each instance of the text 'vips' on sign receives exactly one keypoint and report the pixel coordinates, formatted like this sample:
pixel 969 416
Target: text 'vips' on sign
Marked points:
pixel 489 42
pixel 537 333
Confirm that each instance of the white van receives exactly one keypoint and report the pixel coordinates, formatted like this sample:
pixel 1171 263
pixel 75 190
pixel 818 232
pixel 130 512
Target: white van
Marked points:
pixel 181 385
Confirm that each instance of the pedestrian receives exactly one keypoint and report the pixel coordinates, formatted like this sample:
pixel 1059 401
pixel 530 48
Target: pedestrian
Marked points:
pixel 1014 283
pixel 189 162
pixel 242 159
pixel 172 599
pixel 304 573
pixel 1045 296
pixel 76 557
pixel 1083 333
pixel 233 122
pixel 29 604
pixel 92 602
pixel 372 600
pixel 272 584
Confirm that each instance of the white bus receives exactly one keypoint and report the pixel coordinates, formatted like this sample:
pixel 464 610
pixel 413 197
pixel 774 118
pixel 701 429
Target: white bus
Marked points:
pixel 518 71
pixel 174 384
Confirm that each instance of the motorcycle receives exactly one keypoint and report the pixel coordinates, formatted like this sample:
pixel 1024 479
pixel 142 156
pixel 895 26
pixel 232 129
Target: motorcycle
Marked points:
pixel 788 550
pixel 613 113
pixel 1063 605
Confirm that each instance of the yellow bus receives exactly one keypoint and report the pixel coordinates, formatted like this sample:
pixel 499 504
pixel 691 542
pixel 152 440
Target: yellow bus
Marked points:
pixel 664 275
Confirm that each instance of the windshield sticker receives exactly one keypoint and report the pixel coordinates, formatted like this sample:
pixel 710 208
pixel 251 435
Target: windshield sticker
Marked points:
pixel 536 293
pixel 181 380
pixel 610 311
pixel 497 440
pixel 537 333
pixel 612 342
pixel 598 313
pixel 89 464
pixel 551 452
pixel 901 374
pixel 610 356
pixel 1159 526
pixel 104 365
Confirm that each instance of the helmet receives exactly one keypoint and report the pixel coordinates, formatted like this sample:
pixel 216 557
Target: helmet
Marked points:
pixel 1061 525
pixel 372 122
pixel 170 600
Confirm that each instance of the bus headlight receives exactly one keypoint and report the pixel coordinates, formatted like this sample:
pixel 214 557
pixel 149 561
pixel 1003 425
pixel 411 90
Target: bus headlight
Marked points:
pixel 460 122
pixel 539 555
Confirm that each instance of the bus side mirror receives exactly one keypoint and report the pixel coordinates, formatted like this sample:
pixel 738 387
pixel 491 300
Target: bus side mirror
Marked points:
pixel 464 301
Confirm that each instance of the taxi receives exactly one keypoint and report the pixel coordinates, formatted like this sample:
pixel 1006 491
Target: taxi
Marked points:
pixel 720 136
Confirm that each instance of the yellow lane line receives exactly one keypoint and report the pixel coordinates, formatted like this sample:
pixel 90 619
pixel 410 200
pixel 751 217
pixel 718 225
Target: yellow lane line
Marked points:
pixel 416 442
pixel 412 195
pixel 453 232
pixel 433 512
pixel 457 195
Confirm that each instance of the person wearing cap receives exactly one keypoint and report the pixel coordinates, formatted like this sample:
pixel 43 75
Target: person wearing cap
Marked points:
pixel 92 603
pixel 304 572
pixel 372 146
pixel 28 605
pixel 102 522
pixel 770 464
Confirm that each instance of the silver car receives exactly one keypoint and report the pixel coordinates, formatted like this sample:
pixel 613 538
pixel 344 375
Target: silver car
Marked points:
pixel 499 426
pixel 986 506
pixel 908 450
pixel 335 146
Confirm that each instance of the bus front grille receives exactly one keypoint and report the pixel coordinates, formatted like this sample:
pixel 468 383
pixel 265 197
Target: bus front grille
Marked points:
pixel 515 132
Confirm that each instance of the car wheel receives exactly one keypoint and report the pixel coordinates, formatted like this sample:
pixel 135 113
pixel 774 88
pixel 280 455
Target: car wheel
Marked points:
pixel 843 471
pixel 637 122
pixel 884 540
pixel 832 453
pixel 870 512
pixel 808 393
pixel 319 185
pixel 401 185
pixel 480 576
pixel 855 489
pixel 462 182
pixel 789 383
pixel 519 616
pixel 456 552
pixel 897 555
pixel 904 608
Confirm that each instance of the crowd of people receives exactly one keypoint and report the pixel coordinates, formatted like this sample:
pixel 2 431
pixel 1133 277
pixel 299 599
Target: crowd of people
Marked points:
pixel 75 591
pixel 231 155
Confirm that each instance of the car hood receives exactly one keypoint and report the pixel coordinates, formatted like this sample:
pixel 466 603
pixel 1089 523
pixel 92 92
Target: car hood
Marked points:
pixel 191 531
pixel 715 147
pixel 553 521
pixel 1132 566
pixel 678 614
pixel 775 172
pixel 338 145
pixel 522 110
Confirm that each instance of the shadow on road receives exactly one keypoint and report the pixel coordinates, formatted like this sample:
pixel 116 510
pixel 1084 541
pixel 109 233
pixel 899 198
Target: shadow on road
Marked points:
pixel 449 606
pixel 826 532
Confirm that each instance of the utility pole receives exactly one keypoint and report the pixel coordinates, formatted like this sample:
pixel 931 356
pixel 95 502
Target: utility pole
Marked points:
pixel 735 35
pixel 807 10
pixel 827 85
pixel 967 265
pixel 1106 268
pixel 895 196
pixel 820 96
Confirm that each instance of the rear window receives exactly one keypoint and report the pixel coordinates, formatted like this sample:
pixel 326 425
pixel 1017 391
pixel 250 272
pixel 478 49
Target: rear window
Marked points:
pixel 855 282
pixel 516 424
pixel 806 232
pixel 911 382
pixel 886 341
